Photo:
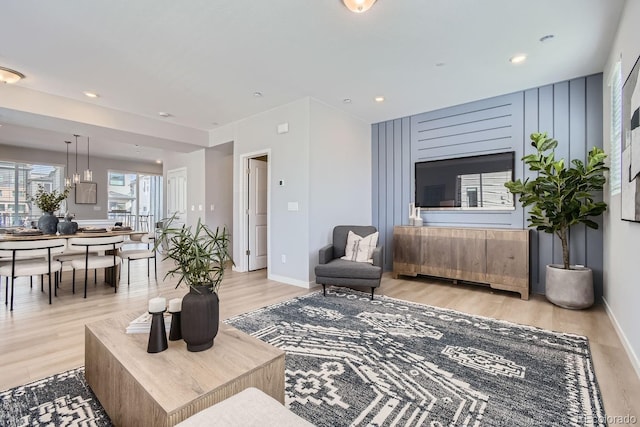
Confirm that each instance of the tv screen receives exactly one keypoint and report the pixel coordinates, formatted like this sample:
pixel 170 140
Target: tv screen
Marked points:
pixel 475 182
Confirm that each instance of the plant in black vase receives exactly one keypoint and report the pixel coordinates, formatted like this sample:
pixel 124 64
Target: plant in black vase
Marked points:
pixel 48 203
pixel 201 255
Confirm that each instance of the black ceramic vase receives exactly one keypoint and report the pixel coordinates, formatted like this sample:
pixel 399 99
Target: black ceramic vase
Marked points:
pixel 48 223
pixel 199 318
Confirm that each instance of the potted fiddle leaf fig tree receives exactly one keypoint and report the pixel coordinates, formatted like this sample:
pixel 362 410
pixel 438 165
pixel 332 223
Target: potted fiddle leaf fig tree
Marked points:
pixel 201 255
pixel 561 196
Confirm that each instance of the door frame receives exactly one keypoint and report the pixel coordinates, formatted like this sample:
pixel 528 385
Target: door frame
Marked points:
pixel 242 242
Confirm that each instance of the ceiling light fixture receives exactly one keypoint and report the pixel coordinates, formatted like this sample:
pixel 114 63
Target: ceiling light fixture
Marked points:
pixel 91 94
pixel 546 38
pixel 358 6
pixel 346 101
pixel 164 114
pixel 7 75
pixel 257 94
pixel 379 98
pixel 88 175
pixel 518 59
pixel 76 175
pixel 67 180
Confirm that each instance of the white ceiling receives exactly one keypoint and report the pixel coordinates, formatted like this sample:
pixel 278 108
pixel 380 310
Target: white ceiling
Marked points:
pixel 202 60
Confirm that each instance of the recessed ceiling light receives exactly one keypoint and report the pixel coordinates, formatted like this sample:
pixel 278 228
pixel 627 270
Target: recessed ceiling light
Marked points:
pixel 257 94
pixel 518 59
pixel 215 123
pixel 546 38
pixel 158 161
pixel 346 101
pixel 91 94
pixel 164 114
pixel 379 98
pixel 7 75
pixel 440 64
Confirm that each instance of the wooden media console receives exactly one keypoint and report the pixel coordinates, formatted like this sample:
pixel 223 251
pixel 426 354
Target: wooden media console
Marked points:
pixel 497 257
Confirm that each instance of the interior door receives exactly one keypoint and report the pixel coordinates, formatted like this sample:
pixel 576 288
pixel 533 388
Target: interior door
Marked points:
pixel 177 195
pixel 257 213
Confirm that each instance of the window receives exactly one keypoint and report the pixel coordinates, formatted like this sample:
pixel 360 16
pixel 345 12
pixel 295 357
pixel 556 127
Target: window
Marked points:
pixel 135 199
pixel 616 130
pixel 20 180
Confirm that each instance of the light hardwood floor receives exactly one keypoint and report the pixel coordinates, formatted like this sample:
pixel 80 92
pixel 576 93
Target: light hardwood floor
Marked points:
pixel 38 339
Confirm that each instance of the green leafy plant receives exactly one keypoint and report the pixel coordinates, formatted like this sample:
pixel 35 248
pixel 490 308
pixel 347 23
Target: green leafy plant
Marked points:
pixel 201 254
pixel 49 201
pixel 561 195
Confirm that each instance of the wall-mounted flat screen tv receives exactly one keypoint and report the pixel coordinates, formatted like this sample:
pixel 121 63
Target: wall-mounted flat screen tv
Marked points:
pixel 475 182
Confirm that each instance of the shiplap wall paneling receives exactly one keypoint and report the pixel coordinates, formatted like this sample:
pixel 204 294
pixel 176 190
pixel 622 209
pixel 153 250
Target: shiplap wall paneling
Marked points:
pixel 483 127
pixel 391 175
pixel 569 111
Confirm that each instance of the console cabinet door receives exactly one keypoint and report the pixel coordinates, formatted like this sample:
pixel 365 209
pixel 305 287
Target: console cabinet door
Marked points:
pixel 406 251
pixel 471 253
pixel 508 260
pixel 439 256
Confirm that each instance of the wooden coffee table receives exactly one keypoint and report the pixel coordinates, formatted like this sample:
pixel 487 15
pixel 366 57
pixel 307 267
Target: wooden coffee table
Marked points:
pixel 162 389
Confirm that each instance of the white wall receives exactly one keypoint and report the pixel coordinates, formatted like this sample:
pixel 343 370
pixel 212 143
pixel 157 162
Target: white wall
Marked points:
pixel 621 286
pixel 339 175
pixel 195 164
pixel 219 186
pixel 99 166
pixel 288 161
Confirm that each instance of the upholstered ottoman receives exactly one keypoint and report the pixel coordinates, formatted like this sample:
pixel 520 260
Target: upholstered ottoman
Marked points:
pixel 250 407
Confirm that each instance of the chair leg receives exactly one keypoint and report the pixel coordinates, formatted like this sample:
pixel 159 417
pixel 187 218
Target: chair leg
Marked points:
pixel 324 290
pixel 42 283
pixel 155 267
pixel 49 287
pixel 95 276
pixel 31 281
pixel 12 280
pixel 148 267
pixel 128 271
pixel 73 286
pixel 86 277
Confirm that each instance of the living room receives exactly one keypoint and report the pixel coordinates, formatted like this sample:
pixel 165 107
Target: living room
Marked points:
pixel 304 160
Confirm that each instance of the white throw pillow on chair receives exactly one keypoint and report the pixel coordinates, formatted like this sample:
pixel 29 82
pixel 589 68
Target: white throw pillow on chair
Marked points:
pixel 360 249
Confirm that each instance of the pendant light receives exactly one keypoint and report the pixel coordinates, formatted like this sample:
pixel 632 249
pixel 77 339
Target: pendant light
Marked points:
pixel 88 175
pixel 76 175
pixel 67 180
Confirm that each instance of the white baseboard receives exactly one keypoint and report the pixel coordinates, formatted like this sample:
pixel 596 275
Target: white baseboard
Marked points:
pixel 289 281
pixel 633 357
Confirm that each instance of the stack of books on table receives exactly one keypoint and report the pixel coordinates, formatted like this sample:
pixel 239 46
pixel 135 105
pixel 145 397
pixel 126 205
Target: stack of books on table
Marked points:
pixel 142 324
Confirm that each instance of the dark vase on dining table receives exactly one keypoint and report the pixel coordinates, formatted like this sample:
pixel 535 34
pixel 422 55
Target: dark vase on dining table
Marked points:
pixel 67 226
pixel 48 223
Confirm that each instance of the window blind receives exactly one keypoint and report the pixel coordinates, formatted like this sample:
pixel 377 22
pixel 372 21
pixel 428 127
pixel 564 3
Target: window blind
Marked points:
pixel 616 129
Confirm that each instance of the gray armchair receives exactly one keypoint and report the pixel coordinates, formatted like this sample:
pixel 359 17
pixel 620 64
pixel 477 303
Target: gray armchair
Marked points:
pixel 332 270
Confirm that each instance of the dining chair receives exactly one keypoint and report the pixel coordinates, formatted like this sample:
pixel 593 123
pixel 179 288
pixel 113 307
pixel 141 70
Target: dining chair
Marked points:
pixel 99 252
pixel 29 258
pixel 136 254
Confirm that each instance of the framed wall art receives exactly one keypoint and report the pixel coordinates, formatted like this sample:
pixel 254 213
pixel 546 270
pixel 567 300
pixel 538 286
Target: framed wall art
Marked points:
pixel 630 185
pixel 86 193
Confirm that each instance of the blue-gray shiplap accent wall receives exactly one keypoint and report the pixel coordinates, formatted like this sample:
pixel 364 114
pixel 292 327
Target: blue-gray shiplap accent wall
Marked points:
pixel 570 111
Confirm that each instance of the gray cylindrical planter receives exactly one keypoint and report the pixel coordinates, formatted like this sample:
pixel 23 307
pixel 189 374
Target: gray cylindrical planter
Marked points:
pixel 571 289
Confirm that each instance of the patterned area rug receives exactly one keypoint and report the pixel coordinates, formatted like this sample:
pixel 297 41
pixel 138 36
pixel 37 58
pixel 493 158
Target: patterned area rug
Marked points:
pixel 60 400
pixel 386 362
